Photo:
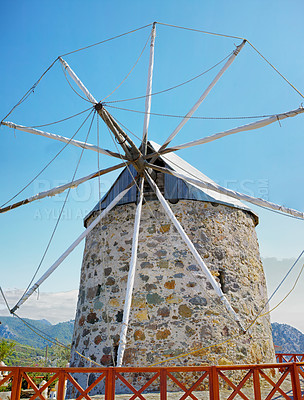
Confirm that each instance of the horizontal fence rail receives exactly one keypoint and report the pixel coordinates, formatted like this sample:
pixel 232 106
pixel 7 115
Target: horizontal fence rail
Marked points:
pixel 289 357
pixel 249 382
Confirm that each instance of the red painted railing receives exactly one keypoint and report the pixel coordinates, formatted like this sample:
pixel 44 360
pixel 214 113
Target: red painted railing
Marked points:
pixel 289 357
pixel 249 382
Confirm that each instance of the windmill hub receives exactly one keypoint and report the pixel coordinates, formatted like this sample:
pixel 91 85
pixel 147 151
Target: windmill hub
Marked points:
pixel 98 106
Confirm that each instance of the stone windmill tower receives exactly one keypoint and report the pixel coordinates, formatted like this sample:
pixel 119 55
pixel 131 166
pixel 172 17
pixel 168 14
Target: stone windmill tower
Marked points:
pixel 171 265
pixel 174 308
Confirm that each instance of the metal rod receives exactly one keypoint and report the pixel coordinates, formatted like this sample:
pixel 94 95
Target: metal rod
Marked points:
pixel 194 252
pixel 131 278
pixel 71 248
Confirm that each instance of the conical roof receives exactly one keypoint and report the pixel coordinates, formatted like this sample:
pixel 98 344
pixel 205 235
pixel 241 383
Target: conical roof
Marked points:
pixel 173 188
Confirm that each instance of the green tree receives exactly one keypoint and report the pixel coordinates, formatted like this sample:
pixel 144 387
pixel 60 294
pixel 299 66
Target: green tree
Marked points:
pixel 6 349
pixel 59 355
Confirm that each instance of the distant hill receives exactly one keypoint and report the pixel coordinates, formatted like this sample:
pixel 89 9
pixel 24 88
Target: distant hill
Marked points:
pixel 14 329
pixel 25 356
pixel 290 339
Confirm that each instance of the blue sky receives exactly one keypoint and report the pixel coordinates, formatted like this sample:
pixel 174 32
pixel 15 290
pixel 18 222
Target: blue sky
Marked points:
pixel 268 162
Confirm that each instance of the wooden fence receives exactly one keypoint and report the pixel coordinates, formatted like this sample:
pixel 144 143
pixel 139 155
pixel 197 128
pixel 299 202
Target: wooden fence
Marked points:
pixel 289 357
pixel 258 382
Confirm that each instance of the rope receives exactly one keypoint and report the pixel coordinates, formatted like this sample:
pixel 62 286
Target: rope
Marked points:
pixel 64 71
pixel 34 329
pixel 61 120
pixel 134 180
pixel 61 211
pixel 124 161
pixel 202 348
pixel 46 336
pixel 192 117
pixel 291 268
pixel 31 90
pixel 157 220
pixel 47 165
pixel 216 34
pixel 276 70
pixel 252 323
pixel 291 290
pixel 259 316
pixel 197 350
pixel 200 31
pixel 199 282
pixel 4 298
pixel 127 129
pixel 106 40
pixel 138 189
pixel 130 69
pixel 278 287
pixel 175 86
pixel 241 38
pixel 197 178
pixel 52 340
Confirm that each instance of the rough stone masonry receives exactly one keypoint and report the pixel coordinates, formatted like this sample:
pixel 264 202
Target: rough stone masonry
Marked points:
pixel 174 309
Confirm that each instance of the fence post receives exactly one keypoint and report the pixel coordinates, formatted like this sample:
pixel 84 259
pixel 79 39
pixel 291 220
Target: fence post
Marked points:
pixel 256 384
pixel 16 386
pixel 280 361
pixel 163 384
pixel 110 384
pixel 61 386
pixel 214 390
pixel 296 388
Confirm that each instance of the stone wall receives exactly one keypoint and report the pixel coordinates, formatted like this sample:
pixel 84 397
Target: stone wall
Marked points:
pixel 174 310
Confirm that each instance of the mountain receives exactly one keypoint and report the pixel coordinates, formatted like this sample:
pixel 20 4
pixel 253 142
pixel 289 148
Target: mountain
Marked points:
pixel 14 329
pixel 290 339
pixel 25 356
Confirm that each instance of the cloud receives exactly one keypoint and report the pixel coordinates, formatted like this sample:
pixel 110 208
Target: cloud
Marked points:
pixel 54 307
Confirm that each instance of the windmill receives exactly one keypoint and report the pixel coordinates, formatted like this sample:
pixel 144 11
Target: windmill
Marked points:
pixel 184 215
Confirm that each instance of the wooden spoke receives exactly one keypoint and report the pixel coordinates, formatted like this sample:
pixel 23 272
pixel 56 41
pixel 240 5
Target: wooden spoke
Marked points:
pixel 131 278
pixel 243 128
pixel 60 189
pixel 203 96
pixel 193 250
pixel 232 193
pixel 71 248
pixel 63 139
